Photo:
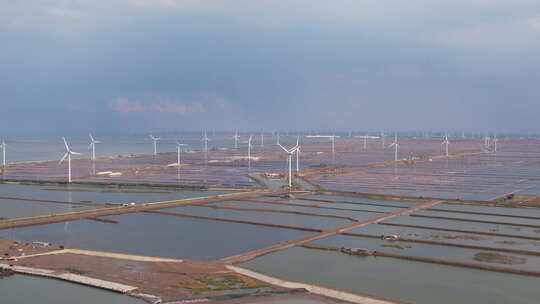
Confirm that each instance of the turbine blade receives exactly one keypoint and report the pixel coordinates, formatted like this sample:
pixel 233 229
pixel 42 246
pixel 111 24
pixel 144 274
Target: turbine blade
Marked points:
pixel 283 148
pixel 65 143
pixel 63 158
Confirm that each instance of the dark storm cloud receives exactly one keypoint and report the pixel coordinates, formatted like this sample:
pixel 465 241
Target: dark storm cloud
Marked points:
pixel 169 64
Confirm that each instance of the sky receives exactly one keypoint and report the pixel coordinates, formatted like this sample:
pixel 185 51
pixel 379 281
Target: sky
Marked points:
pixel 125 66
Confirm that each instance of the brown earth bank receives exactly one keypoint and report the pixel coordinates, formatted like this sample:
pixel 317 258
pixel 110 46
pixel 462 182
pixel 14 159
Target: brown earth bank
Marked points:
pixel 10 249
pixel 171 281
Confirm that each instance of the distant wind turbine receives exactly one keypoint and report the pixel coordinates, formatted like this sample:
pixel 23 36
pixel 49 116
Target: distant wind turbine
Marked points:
pixel 446 143
pixel 178 151
pixel 262 139
pixel 155 139
pixel 68 156
pixel 290 153
pixel 205 139
pixel 298 154
pixel 92 146
pixel 236 137
pixel 4 147
pixel 382 139
pixel 495 141
pixel 395 144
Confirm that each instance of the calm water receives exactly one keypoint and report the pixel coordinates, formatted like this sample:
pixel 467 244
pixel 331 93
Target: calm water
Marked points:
pixel 451 237
pixel 446 253
pixel 480 217
pixel 15 208
pixel 416 282
pixel 20 289
pixel 264 217
pixel 322 211
pixel 359 200
pixel 490 209
pixel 95 194
pixel 470 226
pixel 157 235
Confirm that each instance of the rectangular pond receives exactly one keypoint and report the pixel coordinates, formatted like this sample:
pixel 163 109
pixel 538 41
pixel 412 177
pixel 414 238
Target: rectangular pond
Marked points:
pixel 157 235
pixel 296 220
pixel 414 282
pixel 439 252
pixel 97 194
pixel 10 208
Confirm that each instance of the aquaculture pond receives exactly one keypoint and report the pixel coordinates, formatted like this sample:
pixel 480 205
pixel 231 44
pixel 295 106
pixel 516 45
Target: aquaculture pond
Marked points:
pixel 296 220
pixel 435 223
pixel 438 252
pixel 358 200
pixel 325 211
pixel 415 282
pixel 10 208
pixel 96 194
pixel 156 235
pixel 470 239
pixel 20 289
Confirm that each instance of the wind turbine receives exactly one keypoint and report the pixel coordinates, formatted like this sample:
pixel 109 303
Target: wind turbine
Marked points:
pixel 395 144
pixel 249 151
pixel 236 137
pixel 487 142
pixel 298 154
pixel 495 141
pixel 205 139
pixel 262 139
pixel 92 146
pixel 4 146
pixel 382 139
pixel 155 139
pixel 290 153
pixel 178 150
pixel 68 156
pixel 446 143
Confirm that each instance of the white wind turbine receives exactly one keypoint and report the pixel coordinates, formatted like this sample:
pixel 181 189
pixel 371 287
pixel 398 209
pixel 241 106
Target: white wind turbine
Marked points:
pixel 92 146
pixel 495 141
pixel 290 153
pixel 178 151
pixel 236 137
pixel 68 156
pixel 3 146
pixel 487 140
pixel 155 140
pixel 205 139
pixel 446 143
pixel 298 154
pixel 395 144
pixel 382 139
pixel 249 151
pixel 262 139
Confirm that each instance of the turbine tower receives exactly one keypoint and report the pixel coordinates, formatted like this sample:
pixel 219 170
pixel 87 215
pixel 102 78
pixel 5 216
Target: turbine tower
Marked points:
pixel 205 139
pixel 290 153
pixel 249 151
pixel 155 139
pixel 178 150
pixel 92 146
pixel 446 143
pixel 382 139
pixel 236 137
pixel 3 146
pixel 495 141
pixel 298 154
pixel 395 144
pixel 68 156
pixel 262 139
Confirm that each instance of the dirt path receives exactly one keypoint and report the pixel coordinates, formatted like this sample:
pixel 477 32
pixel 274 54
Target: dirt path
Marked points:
pixel 282 246
pixel 120 256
